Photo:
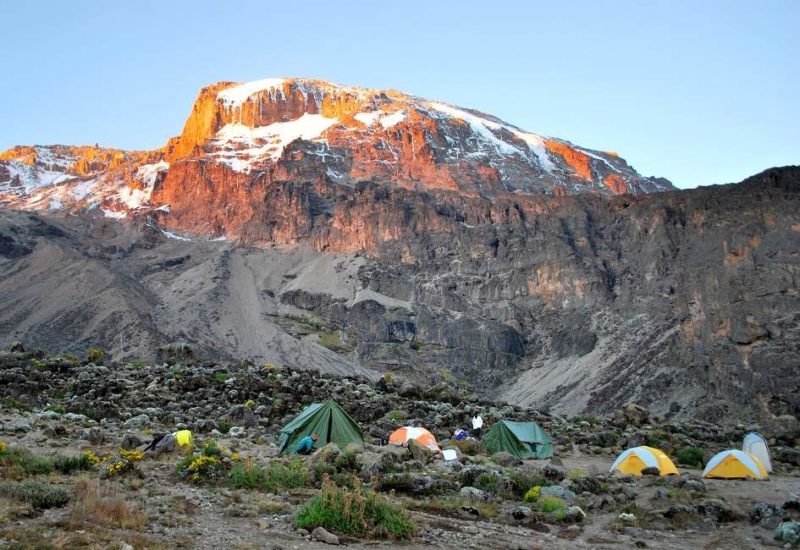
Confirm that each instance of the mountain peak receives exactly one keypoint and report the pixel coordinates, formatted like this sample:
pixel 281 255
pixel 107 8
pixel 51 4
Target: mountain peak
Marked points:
pixel 304 129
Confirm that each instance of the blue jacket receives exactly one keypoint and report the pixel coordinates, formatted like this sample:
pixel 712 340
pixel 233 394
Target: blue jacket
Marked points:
pixel 305 444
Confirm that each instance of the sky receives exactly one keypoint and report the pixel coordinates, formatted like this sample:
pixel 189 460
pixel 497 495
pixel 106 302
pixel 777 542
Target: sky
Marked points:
pixel 699 92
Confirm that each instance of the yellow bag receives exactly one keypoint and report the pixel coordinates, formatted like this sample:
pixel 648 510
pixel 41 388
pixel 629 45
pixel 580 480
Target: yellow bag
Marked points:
pixel 184 438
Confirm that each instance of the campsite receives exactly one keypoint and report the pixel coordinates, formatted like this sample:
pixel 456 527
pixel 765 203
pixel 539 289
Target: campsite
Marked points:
pixel 241 485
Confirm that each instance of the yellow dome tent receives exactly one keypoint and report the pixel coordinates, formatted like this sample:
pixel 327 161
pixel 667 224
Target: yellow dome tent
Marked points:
pixel 735 464
pixel 636 459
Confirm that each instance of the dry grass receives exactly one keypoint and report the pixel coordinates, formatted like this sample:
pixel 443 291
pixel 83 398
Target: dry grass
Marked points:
pixel 101 504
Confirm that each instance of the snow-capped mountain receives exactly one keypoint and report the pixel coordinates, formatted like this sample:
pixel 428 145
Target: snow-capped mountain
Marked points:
pixel 312 130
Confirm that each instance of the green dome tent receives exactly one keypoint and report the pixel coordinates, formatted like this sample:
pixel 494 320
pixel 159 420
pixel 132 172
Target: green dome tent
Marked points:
pixel 328 420
pixel 521 439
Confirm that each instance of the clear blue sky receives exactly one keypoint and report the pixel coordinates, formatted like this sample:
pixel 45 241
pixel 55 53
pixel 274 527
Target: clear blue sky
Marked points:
pixel 697 91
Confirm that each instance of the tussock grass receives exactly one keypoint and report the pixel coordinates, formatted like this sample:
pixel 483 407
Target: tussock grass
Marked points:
pixel 358 512
pixel 102 504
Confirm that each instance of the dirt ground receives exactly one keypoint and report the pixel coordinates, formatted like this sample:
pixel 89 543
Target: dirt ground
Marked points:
pixel 183 515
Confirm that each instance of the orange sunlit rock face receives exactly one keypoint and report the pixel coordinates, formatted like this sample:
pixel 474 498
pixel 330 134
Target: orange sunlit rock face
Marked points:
pixel 616 184
pixel 579 162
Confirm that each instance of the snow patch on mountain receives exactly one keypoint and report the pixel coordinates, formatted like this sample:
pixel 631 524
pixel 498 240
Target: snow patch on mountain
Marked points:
pixel 235 96
pixel 242 146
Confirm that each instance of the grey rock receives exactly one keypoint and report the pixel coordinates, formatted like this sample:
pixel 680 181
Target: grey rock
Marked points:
pixel 323 535
pixel 472 493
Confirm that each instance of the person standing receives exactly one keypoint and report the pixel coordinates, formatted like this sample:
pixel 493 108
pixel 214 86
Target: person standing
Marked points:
pixel 477 426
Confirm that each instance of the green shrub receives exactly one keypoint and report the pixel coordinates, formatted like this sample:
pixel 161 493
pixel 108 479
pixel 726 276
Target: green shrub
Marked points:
pixel 277 474
pixel 221 376
pixel 691 456
pixel 488 482
pixel 199 469
pixel 347 462
pixel 68 464
pixel 17 463
pixel 551 504
pixel 523 480
pixel 95 355
pixel 396 415
pixel 357 512
pixel 38 495
pixel 576 473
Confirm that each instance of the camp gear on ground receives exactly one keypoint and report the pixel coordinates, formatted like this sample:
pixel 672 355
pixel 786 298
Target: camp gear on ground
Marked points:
pixel 735 464
pixel 755 444
pixel 402 436
pixel 305 445
pixel 328 420
pixel 521 439
pixel 460 434
pixel 183 438
pixel 450 454
pixel 167 443
pixel 157 437
pixel 634 460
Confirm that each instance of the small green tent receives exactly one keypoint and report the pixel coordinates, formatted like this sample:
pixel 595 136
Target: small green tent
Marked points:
pixel 521 439
pixel 328 420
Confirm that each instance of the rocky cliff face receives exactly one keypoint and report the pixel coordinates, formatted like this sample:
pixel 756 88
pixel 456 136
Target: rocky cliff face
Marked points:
pixel 686 302
pixel 240 135
pixel 353 230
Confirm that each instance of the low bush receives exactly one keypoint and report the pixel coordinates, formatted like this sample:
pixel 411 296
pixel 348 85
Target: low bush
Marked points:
pixel 358 512
pixel 533 494
pixel 68 464
pixel 276 474
pixel 690 456
pixel 522 481
pixel 396 415
pixel 489 482
pixel 123 463
pixel 38 495
pixel 95 355
pixel 576 473
pixel 17 463
pixel 550 504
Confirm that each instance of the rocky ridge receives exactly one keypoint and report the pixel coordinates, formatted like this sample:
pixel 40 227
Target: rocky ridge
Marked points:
pixel 240 135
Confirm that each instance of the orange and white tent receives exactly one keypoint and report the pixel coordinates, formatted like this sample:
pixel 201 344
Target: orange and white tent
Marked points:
pixel 401 436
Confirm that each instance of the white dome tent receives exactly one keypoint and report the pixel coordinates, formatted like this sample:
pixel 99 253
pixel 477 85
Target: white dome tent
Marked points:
pixel 755 444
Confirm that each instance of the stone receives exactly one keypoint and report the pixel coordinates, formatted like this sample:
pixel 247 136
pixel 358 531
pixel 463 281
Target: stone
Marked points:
pixel 420 452
pixel 96 435
pixel 520 513
pixel 237 431
pixel 506 459
pixel 626 517
pixel 138 422
pixel 242 416
pixel 323 535
pixel 472 493
pixel 131 441
pixel 574 514
pixel 651 471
